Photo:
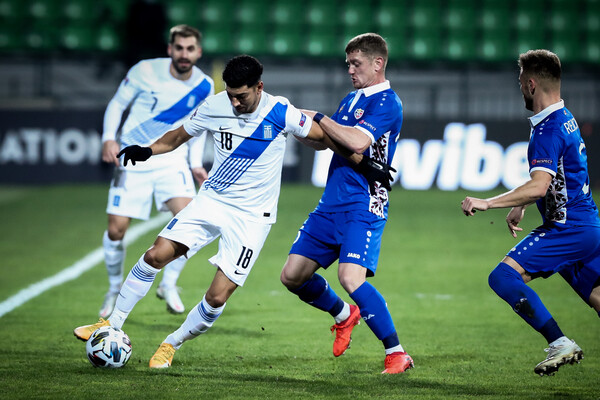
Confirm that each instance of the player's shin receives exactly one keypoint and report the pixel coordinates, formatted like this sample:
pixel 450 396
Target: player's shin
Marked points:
pixel 375 313
pixel 508 284
pixel 198 321
pixel 135 287
pixel 114 256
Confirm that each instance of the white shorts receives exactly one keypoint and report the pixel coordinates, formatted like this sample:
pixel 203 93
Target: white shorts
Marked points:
pixel 205 219
pixel 130 194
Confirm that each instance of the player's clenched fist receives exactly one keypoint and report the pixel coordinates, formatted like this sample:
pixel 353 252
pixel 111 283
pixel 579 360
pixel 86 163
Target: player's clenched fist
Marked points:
pixel 135 153
pixel 471 204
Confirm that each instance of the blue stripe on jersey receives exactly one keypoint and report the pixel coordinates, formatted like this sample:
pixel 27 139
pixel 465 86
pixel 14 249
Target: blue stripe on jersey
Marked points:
pixel 249 150
pixel 153 128
pixel 182 108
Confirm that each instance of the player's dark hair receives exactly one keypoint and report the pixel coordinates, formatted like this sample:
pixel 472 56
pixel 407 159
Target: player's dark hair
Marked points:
pixel 541 63
pixel 184 31
pixel 371 44
pixel 242 70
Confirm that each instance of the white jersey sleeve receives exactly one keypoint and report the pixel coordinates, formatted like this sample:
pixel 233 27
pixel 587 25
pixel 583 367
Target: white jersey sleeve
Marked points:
pixel 296 122
pixel 196 151
pixel 200 120
pixel 126 93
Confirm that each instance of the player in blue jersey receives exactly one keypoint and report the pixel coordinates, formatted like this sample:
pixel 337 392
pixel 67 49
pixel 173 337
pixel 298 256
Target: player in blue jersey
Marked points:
pixel 237 203
pixel 347 224
pixel 568 241
pixel 159 93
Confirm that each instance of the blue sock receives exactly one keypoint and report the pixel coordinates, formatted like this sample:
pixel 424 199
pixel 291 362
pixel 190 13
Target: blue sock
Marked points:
pixel 374 311
pixel 508 284
pixel 317 292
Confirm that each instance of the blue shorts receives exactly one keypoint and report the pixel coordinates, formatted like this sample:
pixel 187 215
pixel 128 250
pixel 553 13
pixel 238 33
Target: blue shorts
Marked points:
pixel 352 237
pixel 572 251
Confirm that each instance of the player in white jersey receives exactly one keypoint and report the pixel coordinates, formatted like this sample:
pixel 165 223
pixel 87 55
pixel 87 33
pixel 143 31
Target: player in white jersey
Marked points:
pixel 160 93
pixel 238 201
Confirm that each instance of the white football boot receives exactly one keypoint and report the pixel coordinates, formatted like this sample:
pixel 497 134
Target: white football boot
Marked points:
pixel 108 305
pixel 563 353
pixel 170 294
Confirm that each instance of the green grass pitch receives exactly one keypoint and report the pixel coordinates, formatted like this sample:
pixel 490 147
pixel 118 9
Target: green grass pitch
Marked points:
pixel 434 263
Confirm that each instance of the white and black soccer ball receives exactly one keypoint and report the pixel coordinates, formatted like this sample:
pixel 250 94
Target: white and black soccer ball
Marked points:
pixel 108 347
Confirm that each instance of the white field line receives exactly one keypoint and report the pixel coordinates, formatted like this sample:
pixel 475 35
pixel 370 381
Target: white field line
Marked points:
pixel 81 266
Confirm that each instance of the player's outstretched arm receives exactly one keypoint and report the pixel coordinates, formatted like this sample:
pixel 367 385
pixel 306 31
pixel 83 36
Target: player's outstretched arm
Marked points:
pixel 168 142
pixel 527 193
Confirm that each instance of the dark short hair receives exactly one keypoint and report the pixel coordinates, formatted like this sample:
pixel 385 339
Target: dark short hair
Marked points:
pixel 184 31
pixel 541 63
pixel 370 44
pixel 242 70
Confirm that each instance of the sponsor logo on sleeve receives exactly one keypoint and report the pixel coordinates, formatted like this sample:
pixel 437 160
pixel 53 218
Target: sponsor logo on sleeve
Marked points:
pixel 367 125
pixel 302 120
pixel 541 161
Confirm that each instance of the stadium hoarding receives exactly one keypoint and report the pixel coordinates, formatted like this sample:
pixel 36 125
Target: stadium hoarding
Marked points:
pixel 474 156
pixel 42 147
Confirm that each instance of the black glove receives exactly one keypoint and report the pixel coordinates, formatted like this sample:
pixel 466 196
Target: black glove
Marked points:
pixel 135 153
pixel 375 171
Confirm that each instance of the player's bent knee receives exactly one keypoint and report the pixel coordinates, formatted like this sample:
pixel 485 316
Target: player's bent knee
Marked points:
pixel 291 279
pixel 215 300
pixel 286 281
pixel 116 233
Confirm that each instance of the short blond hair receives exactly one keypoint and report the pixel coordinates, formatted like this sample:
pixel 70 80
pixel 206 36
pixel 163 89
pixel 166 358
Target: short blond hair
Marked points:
pixel 184 31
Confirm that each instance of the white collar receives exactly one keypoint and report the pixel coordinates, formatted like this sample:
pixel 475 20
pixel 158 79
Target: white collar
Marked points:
pixel 539 117
pixel 368 91
pixel 380 87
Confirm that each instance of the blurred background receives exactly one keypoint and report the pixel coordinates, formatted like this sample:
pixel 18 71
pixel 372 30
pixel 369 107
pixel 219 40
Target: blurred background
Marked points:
pixel 452 62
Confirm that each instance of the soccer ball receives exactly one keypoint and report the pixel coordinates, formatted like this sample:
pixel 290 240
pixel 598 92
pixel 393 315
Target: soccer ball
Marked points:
pixel 108 347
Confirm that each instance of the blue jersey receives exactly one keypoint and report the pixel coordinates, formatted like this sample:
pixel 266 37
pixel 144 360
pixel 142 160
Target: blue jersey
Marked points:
pixel 376 111
pixel 556 147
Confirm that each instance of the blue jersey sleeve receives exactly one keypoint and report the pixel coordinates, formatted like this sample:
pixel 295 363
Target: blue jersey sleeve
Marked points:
pixel 545 149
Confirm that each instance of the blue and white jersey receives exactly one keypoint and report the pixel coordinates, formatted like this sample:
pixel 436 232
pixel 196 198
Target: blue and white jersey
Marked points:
pixel 249 150
pixel 376 111
pixel 159 103
pixel 556 147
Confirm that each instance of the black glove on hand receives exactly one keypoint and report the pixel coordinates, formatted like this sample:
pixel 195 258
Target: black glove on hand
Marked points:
pixel 375 171
pixel 135 153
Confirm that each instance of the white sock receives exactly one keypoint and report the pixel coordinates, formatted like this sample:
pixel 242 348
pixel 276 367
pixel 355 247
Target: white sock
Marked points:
pixel 199 319
pixel 344 314
pixel 136 285
pixel 560 341
pixel 114 257
pixel 394 349
pixel 172 271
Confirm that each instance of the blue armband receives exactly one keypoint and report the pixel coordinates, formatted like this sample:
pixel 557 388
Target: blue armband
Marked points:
pixel 318 117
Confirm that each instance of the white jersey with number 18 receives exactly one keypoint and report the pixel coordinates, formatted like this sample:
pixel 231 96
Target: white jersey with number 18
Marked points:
pixel 249 150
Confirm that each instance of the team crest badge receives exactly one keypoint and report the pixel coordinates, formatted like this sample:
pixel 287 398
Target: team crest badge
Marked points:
pixel 358 113
pixel 191 101
pixel 268 131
